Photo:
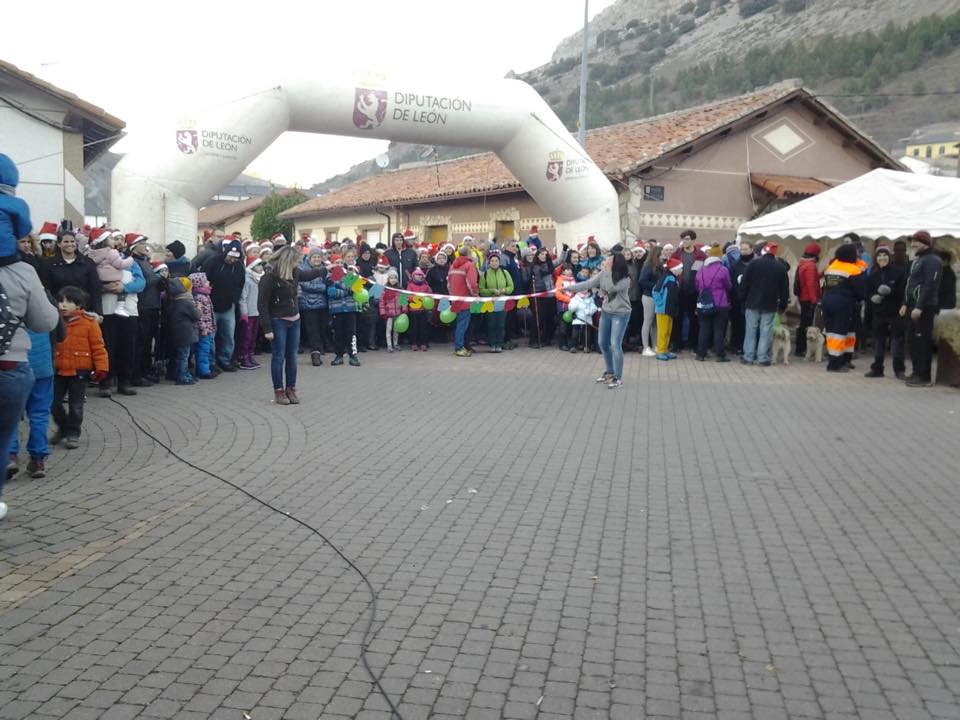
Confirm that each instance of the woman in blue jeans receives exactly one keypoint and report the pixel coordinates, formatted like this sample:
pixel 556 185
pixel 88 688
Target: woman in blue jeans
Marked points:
pixel 279 308
pixel 614 282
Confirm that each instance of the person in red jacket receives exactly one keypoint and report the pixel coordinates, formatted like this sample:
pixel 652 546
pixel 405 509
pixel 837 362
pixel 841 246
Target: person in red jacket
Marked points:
pixel 462 280
pixel 806 286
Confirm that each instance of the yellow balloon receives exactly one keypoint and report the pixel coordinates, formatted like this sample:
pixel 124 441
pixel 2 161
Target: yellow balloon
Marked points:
pixel 416 303
pixel 487 307
pixel 357 286
pixel 523 302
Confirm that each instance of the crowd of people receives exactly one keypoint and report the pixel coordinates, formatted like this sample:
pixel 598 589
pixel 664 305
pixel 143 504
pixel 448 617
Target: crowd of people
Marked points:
pixel 99 309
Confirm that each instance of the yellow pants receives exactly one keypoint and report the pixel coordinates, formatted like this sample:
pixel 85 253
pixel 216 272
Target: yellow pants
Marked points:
pixel 664 330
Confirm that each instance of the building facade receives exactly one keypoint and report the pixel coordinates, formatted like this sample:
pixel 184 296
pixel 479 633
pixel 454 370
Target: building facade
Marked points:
pixel 52 136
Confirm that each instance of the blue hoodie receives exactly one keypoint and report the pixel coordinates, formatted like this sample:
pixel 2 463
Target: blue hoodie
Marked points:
pixel 14 213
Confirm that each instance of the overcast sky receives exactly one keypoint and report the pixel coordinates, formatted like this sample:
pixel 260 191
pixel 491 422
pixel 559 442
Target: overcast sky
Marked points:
pixel 132 58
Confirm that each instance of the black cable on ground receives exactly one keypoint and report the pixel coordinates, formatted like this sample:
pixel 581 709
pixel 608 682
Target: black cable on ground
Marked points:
pixel 348 561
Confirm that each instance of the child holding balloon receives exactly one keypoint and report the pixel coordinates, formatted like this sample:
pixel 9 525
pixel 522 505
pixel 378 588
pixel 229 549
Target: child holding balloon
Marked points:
pixel 390 308
pixel 416 312
pixel 343 311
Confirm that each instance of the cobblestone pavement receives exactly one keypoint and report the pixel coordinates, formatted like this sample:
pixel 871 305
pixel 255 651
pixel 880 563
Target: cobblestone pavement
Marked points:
pixel 711 541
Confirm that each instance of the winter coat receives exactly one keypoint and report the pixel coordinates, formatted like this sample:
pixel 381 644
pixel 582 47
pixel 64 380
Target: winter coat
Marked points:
pixel 339 297
pixel 249 298
pixel 226 279
pixel 404 262
pixel 152 286
pixel 666 298
pixel 923 283
pixel 498 279
pixel 806 283
pixel 209 251
pixel 418 287
pixel 893 278
pixel 646 280
pixel 542 276
pixel 590 263
pixel 737 269
pixel 437 279
pixel 616 296
pixel 715 277
pixel 182 318
pixel 278 298
pixel 110 263
pixel 28 301
pixel 508 261
pixel 179 267
pixel 463 280
pixel 201 296
pixel 14 212
pixel 633 267
pixel 390 303
pixel 563 297
pixel 583 309
pixel 57 273
pixel 765 286
pixel 82 349
pixel 313 293
pixel 843 282
pixel 947 297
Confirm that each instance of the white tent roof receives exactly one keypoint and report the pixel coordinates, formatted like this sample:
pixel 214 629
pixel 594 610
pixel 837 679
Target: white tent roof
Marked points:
pixel 882 203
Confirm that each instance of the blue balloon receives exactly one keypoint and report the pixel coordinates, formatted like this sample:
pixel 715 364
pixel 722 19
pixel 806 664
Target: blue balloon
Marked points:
pixel 376 291
pixel 444 305
pixel 498 305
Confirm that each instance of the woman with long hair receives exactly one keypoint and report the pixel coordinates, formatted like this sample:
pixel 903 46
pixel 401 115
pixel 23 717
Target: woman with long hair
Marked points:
pixel 614 281
pixel 545 308
pixel 280 318
pixel 649 274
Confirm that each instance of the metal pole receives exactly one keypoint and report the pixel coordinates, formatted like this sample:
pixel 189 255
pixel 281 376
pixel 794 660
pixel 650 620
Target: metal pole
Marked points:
pixel 582 121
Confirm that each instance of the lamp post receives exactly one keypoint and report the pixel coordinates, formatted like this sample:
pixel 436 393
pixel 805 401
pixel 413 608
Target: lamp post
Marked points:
pixel 582 120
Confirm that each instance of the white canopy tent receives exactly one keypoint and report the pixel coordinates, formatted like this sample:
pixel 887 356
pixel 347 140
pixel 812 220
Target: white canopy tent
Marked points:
pixel 880 204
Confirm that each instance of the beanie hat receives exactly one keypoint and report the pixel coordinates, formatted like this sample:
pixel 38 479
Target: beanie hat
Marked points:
pixel 924 237
pixel 177 249
pixel 885 250
pixel 526 251
pixel 417 272
pixel 392 272
pixel 98 236
pixel 674 263
pixel 493 254
pixel 232 249
pixel 132 239
pixel 715 251
pixel 48 232
pixel 812 249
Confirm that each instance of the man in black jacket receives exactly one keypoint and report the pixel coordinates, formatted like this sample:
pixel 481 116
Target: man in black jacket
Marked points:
pixel 920 306
pixel 227 277
pixel 765 290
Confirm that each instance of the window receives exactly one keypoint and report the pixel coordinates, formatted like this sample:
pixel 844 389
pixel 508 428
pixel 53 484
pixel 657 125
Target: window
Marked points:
pixel 506 230
pixel 372 236
pixel 331 234
pixel 916 152
pixel 928 151
pixel 653 192
pixel 943 149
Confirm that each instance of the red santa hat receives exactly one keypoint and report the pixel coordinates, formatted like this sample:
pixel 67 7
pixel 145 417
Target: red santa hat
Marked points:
pixel 132 239
pixel 674 263
pixel 278 239
pixel 159 266
pixel 534 231
pixel 409 236
pixel 253 261
pixel 383 262
pixel 116 234
pixel 266 247
pixel 98 236
pixel 421 249
pixel 48 232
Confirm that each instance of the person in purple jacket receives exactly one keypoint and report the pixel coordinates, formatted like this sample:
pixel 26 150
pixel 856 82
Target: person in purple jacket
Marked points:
pixel 713 320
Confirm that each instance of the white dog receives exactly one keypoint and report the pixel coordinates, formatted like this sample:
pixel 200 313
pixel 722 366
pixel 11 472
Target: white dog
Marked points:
pixel 781 345
pixel 815 343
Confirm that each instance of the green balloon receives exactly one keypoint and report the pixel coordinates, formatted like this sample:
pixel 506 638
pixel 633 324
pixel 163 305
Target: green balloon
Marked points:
pixel 568 317
pixel 447 317
pixel 401 323
pixel 403 301
pixel 362 296
pixel 475 308
pixel 428 303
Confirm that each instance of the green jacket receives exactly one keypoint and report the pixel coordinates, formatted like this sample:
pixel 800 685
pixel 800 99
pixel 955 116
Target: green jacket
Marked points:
pixel 496 280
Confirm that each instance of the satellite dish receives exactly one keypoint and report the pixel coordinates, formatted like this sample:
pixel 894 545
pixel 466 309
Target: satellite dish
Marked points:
pixel 383 160
pixel 429 152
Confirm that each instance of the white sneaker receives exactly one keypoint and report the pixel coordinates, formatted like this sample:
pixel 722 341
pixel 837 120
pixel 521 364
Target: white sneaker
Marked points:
pixel 3 510
pixel 649 352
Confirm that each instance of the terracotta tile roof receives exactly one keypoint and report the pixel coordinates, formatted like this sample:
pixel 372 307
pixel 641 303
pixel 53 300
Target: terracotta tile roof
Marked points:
pixel 225 212
pixel 782 186
pixel 91 111
pixel 619 150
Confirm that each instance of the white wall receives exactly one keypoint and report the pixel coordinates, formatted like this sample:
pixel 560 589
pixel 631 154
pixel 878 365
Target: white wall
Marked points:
pixel 37 149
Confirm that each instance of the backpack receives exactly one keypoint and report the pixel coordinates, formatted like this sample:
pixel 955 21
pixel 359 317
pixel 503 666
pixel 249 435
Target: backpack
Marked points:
pixel 9 322
pixel 705 301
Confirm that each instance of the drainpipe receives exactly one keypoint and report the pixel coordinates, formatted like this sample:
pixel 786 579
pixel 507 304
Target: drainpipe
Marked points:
pixel 388 243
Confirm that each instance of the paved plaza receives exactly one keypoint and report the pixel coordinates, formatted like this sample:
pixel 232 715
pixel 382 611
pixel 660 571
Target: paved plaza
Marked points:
pixel 711 541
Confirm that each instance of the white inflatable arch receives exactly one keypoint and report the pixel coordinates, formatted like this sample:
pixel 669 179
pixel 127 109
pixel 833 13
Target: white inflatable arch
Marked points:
pixel 159 185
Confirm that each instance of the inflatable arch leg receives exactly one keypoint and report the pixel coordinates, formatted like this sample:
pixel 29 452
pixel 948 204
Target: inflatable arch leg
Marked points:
pixel 161 182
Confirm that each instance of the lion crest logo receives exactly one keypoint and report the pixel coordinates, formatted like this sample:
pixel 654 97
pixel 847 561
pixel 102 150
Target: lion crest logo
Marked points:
pixel 188 142
pixel 369 108
pixel 555 166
